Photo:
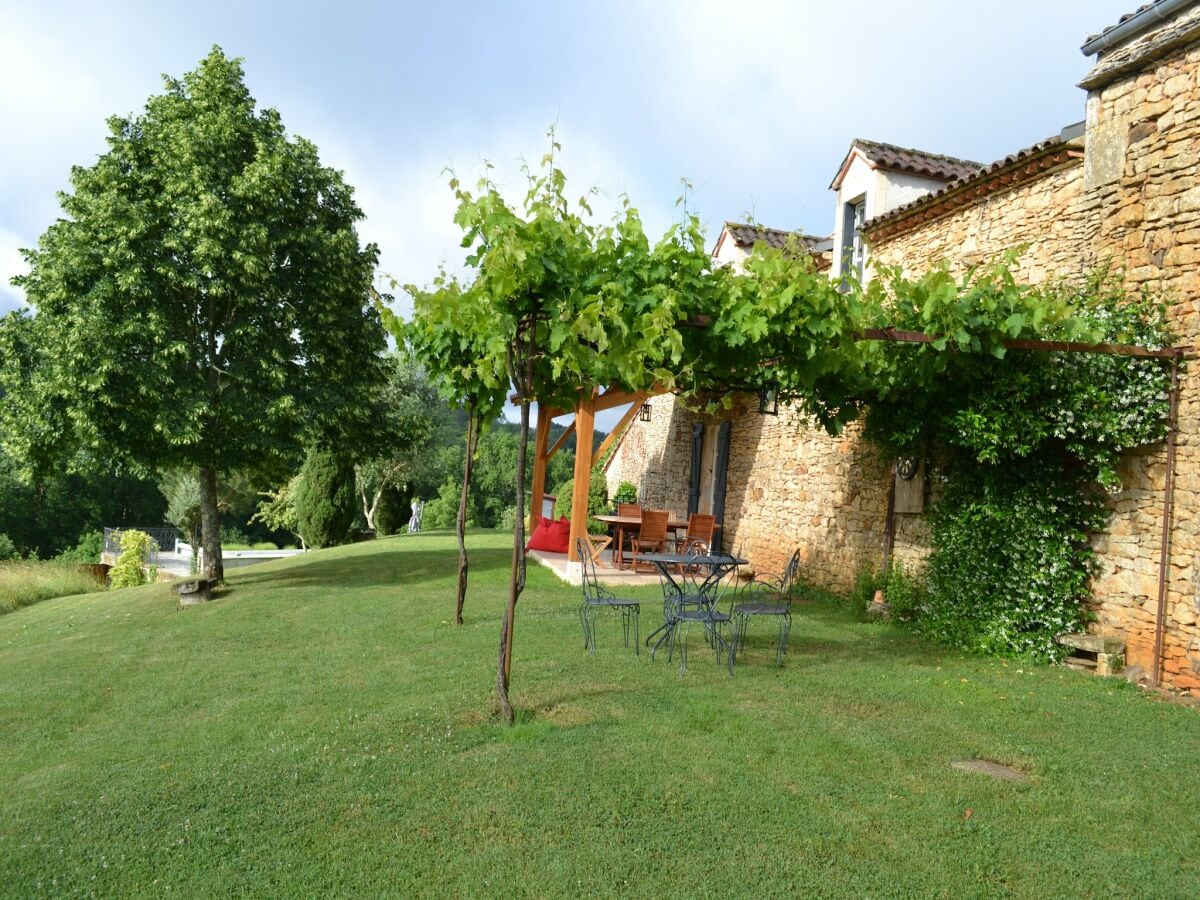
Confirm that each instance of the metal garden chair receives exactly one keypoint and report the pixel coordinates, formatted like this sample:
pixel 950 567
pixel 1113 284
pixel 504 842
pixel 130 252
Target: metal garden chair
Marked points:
pixel 596 598
pixel 693 597
pixel 766 596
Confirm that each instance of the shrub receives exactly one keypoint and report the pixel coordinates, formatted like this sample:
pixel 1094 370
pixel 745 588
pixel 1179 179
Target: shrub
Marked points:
pixel 135 549
pixel 393 512
pixel 8 550
pixel 626 493
pixel 24 582
pixel 88 550
pixel 508 520
pixel 1012 560
pixel 231 536
pixel 326 501
pixel 905 591
pixel 597 500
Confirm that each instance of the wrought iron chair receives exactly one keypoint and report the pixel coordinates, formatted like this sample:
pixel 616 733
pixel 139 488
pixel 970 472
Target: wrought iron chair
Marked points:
pixel 694 597
pixel 596 598
pixel 766 596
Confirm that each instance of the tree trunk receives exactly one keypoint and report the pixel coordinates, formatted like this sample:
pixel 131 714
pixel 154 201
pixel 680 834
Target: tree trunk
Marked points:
pixel 461 522
pixel 210 526
pixel 367 509
pixel 517 582
pixel 370 511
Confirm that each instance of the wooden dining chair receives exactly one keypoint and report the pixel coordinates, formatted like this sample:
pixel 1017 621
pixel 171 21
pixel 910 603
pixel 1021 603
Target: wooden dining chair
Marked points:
pixel 700 528
pixel 653 533
pixel 628 509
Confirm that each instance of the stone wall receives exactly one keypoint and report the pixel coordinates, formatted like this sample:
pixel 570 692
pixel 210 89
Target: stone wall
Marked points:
pixel 1143 146
pixel 789 485
pixel 1045 215
pixel 1134 204
pixel 656 456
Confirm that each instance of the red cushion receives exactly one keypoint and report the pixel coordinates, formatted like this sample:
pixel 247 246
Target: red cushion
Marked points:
pixel 561 532
pixel 540 539
pixel 550 536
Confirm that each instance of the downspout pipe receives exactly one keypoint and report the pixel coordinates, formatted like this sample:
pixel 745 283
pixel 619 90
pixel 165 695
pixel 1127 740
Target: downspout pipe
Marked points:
pixel 1134 25
pixel 1164 564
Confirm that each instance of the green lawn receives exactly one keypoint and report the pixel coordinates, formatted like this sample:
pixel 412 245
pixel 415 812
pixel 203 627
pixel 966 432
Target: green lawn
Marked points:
pixel 323 729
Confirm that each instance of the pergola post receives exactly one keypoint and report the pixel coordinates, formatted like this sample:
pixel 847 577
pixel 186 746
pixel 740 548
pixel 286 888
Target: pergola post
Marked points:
pixel 540 443
pixel 585 422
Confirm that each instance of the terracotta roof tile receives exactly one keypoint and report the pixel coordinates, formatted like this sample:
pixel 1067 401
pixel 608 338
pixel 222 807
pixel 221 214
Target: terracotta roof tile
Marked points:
pixel 747 235
pixel 980 176
pixel 918 162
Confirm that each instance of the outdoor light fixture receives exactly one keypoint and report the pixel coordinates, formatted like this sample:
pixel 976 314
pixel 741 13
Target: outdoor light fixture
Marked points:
pixel 768 399
pixel 644 414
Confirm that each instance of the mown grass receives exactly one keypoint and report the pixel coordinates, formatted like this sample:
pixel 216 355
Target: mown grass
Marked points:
pixel 25 582
pixel 323 729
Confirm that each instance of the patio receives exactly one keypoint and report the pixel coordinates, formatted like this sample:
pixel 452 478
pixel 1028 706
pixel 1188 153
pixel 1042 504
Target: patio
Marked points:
pixel 569 570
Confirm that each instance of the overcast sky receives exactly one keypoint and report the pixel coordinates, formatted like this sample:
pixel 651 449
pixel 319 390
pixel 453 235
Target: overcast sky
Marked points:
pixel 755 103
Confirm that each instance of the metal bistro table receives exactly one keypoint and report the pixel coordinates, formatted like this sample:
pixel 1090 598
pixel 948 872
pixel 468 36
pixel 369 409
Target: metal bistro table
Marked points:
pixel 690 593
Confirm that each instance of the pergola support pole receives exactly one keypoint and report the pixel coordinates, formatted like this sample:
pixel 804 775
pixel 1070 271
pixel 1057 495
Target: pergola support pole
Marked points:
pixel 585 422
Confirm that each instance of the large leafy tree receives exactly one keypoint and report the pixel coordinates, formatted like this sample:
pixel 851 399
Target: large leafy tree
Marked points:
pixel 205 300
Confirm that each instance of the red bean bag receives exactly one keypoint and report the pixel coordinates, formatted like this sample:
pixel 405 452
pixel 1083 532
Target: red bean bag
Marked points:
pixel 550 536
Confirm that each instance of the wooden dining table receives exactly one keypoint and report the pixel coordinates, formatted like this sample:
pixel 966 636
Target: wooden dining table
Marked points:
pixel 633 523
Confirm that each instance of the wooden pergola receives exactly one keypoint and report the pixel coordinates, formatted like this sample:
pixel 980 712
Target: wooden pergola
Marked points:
pixel 586 457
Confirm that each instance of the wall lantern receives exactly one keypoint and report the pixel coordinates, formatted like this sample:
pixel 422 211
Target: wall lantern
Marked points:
pixel 644 413
pixel 768 399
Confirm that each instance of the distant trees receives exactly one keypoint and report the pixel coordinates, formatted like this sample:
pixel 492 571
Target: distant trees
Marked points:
pixel 51 511
pixel 204 302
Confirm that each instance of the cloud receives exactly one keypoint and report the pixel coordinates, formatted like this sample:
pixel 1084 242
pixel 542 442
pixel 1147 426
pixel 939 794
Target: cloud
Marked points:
pixel 410 208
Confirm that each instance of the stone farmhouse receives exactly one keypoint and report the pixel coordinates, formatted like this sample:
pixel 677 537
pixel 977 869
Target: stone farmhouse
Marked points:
pixel 1121 186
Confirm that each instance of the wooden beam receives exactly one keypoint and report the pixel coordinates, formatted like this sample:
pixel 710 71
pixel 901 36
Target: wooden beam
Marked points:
pixel 542 438
pixel 638 400
pixel 562 439
pixel 618 397
pixel 585 421
pixel 613 397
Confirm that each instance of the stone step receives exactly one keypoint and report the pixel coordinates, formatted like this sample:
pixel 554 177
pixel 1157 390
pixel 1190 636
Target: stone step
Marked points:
pixel 1092 643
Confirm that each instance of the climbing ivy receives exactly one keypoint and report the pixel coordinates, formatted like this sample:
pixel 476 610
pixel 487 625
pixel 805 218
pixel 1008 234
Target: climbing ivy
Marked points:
pixel 1024 443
